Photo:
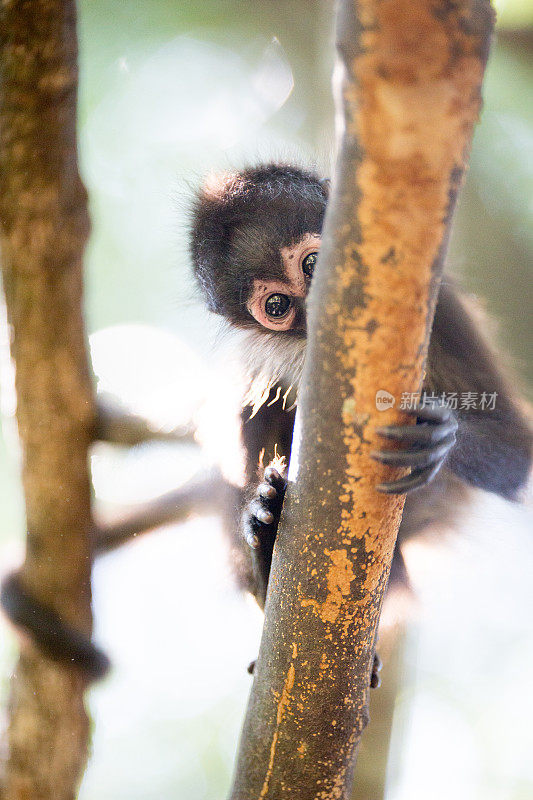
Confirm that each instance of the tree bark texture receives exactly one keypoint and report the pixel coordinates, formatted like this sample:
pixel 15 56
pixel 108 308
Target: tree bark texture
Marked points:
pixel 409 76
pixel 43 228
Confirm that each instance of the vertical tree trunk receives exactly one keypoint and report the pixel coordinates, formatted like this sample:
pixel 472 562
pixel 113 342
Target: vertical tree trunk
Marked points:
pixel 410 74
pixel 43 228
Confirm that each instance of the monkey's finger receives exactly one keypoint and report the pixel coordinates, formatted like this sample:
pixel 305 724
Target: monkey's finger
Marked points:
pixel 271 474
pixel 414 458
pixel 251 538
pixel 273 477
pixel 415 479
pixel 267 491
pixel 375 680
pixel 431 413
pixel 423 433
pixel 260 513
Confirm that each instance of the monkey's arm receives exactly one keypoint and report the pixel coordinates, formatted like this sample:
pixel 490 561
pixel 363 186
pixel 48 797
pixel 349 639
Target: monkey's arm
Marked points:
pixel 266 434
pixel 493 453
pixel 493 449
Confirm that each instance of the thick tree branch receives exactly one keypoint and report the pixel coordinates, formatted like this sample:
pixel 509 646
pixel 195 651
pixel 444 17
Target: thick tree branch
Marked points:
pixel 43 228
pixel 410 74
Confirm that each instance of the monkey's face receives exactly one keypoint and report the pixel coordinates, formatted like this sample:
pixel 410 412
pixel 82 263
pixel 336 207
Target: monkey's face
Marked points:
pixel 279 305
pixel 255 238
pixel 255 235
pixel 273 348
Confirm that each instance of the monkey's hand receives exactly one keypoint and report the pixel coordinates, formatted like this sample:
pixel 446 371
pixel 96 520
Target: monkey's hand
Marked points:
pixel 260 524
pixel 428 445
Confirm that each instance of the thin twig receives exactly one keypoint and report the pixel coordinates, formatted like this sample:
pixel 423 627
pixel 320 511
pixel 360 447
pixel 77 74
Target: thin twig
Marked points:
pixel 117 425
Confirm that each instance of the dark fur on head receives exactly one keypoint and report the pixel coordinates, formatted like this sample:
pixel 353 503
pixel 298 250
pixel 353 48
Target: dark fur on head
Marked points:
pixel 240 220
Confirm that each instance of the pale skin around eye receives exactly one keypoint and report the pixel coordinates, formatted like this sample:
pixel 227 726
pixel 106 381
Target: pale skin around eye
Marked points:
pixel 296 285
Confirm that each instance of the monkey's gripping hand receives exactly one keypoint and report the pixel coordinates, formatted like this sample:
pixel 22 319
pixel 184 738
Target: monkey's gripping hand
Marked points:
pixel 428 444
pixel 260 524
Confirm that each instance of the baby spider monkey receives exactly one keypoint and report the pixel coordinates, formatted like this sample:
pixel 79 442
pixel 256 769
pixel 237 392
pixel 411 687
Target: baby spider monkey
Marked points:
pixel 255 238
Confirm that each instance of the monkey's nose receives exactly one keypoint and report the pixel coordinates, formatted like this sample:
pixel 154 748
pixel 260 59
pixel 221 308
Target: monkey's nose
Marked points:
pixel 300 319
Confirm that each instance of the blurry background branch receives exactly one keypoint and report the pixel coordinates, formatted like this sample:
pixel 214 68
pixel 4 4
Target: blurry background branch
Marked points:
pixel 43 228
pixel 206 493
pixel 409 95
pixel 114 424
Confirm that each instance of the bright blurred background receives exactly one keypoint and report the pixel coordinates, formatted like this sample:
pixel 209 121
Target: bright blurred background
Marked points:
pixel 168 92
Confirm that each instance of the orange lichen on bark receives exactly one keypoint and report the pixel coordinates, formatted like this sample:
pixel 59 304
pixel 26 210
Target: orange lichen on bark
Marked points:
pixel 282 704
pixel 339 577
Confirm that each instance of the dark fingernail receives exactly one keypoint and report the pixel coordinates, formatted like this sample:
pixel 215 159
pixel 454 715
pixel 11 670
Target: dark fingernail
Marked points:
pixel 264 516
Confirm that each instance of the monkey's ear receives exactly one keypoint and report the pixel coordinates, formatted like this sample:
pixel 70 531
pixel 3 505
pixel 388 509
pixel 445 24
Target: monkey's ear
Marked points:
pixel 220 187
pixel 326 183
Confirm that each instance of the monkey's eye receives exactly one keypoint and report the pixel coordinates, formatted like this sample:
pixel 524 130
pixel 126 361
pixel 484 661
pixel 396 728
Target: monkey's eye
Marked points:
pixel 308 264
pixel 277 305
